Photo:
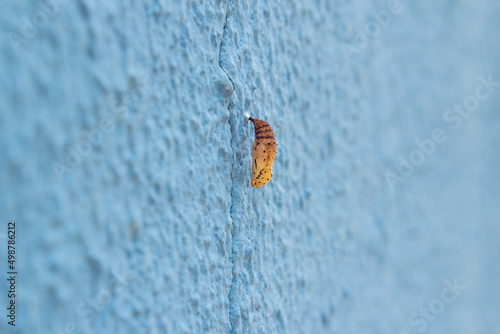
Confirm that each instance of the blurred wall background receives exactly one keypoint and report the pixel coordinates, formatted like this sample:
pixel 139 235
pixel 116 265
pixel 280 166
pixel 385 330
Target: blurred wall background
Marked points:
pixel 126 162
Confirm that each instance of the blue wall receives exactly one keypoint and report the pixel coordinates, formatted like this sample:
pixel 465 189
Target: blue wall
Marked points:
pixel 126 162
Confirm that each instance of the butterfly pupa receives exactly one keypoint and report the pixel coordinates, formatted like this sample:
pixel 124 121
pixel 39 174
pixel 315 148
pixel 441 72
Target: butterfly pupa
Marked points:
pixel 264 153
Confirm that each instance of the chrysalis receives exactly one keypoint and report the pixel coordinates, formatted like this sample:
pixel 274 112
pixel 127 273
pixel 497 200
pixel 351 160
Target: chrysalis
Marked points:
pixel 264 152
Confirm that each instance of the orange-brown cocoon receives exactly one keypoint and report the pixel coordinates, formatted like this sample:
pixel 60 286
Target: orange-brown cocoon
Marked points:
pixel 264 152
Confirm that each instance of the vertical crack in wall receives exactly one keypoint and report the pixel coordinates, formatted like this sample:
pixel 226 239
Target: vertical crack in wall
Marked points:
pixel 233 134
pixel 220 49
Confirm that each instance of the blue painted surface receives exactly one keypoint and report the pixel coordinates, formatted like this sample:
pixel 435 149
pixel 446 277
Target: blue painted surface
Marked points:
pixel 126 164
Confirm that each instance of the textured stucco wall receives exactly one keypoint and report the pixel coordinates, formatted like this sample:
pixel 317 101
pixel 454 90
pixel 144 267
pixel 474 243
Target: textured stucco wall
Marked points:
pixel 126 163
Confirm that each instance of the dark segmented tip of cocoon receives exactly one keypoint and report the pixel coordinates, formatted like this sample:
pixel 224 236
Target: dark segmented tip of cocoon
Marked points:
pixel 262 128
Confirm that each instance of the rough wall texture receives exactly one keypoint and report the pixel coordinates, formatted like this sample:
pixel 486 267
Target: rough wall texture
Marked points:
pixel 126 163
